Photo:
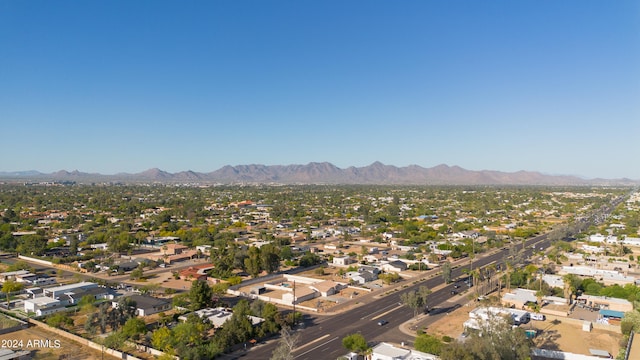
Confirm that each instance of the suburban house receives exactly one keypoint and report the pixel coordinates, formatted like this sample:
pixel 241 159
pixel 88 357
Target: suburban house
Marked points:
pixel 218 316
pixel 34 292
pixel 204 249
pixel 327 287
pixel 43 306
pixel 519 298
pixel 486 313
pixel 62 292
pixel 395 266
pixel 302 293
pixel 171 253
pixel 28 278
pixel 97 293
pixel 147 305
pixel 13 275
pixel 605 302
pixel 342 260
pixel 371 258
pixel 198 272
pixel 608 277
pixel 362 277
pixel 128 265
pixel 553 280
pixel 174 249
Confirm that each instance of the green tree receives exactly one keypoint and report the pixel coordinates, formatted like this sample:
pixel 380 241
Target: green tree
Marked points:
pixel 356 343
pixel 495 340
pixel 20 265
pixel 270 258
pixel 309 259
pixel 630 322
pixel 59 320
pixel 133 328
pixel 137 274
pixel 115 340
pixel 428 344
pixel 417 299
pixel 446 272
pixel 286 253
pixel 272 319
pixel 10 286
pixel 190 333
pixel 32 245
pixel 253 263
pixel 162 339
pixel 389 278
pixel 86 303
pixel 201 295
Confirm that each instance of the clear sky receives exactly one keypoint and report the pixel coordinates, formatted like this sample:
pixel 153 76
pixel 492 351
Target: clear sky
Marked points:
pixel 124 86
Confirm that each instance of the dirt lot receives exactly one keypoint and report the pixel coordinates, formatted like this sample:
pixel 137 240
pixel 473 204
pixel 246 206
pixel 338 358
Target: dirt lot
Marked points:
pixel 555 335
pixel 67 349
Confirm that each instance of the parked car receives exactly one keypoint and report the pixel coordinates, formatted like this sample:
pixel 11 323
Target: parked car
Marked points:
pixel 539 317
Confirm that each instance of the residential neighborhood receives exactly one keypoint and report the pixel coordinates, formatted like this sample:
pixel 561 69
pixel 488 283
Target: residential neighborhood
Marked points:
pixel 133 269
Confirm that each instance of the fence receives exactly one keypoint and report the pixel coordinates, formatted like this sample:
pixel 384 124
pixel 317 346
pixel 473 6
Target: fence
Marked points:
pixel 19 326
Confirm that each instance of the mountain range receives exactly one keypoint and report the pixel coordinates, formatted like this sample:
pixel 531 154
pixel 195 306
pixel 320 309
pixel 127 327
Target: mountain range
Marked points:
pixel 325 173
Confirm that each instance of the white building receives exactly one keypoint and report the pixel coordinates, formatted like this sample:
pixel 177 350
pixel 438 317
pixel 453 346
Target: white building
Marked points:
pixel 204 249
pixel 608 277
pixel 593 249
pixel 59 291
pixel 342 260
pixel 386 351
pixel 485 313
pixel 520 297
pixel 553 280
pixel 14 275
pixel 631 241
pixel 218 316
pixel 43 306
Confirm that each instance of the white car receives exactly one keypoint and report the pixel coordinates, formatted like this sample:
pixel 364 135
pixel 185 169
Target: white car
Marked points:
pixel 539 317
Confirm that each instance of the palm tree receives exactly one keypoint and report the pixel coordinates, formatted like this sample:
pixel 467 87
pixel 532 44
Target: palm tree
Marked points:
pixel 368 353
pixel 475 274
pixel 10 286
pixel 508 275
pixel 569 287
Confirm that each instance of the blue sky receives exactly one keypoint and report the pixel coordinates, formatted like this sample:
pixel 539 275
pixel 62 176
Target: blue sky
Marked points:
pixel 124 86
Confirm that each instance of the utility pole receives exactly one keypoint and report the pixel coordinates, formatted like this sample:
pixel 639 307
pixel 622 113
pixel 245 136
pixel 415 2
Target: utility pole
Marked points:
pixel 473 252
pixel 293 320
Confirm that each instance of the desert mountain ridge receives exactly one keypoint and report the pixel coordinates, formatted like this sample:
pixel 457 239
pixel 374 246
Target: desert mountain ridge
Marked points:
pixel 326 173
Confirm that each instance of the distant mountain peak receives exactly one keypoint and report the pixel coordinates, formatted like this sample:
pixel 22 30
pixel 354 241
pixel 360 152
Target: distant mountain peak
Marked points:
pixel 327 173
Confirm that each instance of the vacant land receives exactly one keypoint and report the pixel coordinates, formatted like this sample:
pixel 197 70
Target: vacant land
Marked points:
pixel 34 339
